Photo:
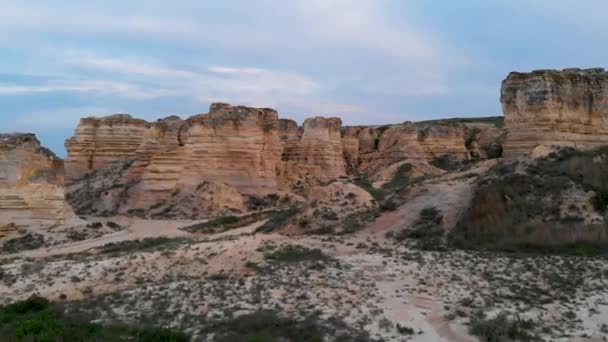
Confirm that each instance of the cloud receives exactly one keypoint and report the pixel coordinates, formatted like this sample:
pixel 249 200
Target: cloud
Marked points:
pixel 129 67
pixel 99 87
pixel 59 118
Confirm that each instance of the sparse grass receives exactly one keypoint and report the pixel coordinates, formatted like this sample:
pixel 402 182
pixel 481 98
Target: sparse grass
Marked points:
pixel 521 212
pixel 497 121
pixel 224 223
pixel 270 326
pixel 278 220
pixel 145 245
pixel 26 242
pixel 37 319
pixel 400 180
pixel 446 162
pixel 503 329
pixel 427 230
pixel 294 254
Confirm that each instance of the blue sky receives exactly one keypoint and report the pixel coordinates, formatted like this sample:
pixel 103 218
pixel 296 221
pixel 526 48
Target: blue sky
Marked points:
pixel 367 61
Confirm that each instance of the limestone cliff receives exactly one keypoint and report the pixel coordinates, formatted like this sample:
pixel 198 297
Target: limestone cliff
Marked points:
pixel 319 150
pixel 369 149
pixel 194 168
pixel 99 142
pixel 550 107
pixel 31 183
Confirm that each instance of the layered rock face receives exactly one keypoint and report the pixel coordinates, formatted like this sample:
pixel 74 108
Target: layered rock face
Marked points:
pixel 238 146
pixel 228 152
pixel 31 183
pixel 370 149
pixel 210 163
pixel 550 107
pixel 99 142
pixel 320 148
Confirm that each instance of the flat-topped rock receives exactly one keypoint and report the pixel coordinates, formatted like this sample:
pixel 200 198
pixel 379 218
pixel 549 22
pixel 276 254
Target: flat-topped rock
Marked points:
pixel 320 148
pixel 553 107
pixel 31 183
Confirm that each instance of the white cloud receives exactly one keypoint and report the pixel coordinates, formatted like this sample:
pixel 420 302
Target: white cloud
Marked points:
pixel 100 87
pixel 129 67
pixel 59 118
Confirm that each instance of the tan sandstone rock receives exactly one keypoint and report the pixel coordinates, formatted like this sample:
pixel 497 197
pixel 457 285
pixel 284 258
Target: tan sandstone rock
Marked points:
pixel 560 108
pixel 31 183
pixel 99 142
pixel 320 149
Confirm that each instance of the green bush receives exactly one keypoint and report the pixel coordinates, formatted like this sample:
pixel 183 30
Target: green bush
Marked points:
pixel 278 220
pixel 145 245
pixel 36 319
pixel 521 212
pixel 294 254
pixel 224 223
pixel 503 329
pixel 427 230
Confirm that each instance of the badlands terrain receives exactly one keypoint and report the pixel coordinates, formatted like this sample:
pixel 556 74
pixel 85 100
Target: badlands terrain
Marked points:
pixel 238 225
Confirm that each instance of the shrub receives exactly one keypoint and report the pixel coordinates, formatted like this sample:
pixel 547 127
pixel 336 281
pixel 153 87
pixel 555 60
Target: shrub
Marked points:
pixel 521 212
pixel 26 242
pixel 278 220
pixel 427 230
pixel 400 180
pixel 502 329
pixel 37 319
pixel 294 254
pixel 145 245
pixel 224 223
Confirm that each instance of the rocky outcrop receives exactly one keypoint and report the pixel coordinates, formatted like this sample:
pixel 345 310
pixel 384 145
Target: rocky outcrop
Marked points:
pixel 320 149
pixel 31 183
pixel 228 152
pixel 550 107
pixel 289 131
pixel 99 142
pixel 379 147
pixel 210 163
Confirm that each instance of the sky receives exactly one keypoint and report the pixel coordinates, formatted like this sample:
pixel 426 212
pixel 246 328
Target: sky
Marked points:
pixel 366 61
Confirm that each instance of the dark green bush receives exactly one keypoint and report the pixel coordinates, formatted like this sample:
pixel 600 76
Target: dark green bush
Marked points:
pixel 503 329
pixel 36 319
pixel 521 212
pixel 293 254
pixel 278 220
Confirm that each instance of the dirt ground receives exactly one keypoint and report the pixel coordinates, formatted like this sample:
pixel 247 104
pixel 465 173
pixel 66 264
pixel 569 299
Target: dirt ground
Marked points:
pixel 368 280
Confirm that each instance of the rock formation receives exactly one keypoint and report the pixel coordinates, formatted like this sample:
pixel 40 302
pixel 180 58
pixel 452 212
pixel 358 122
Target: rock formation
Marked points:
pixel 31 183
pixel 379 147
pixel 99 142
pixel 320 149
pixel 549 107
pixel 211 163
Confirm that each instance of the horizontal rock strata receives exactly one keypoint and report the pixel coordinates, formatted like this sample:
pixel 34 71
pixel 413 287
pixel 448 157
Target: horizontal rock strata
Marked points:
pixel 31 183
pixel 551 107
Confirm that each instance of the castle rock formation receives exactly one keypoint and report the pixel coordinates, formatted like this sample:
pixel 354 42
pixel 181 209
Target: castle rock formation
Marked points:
pixel 550 107
pixel 31 183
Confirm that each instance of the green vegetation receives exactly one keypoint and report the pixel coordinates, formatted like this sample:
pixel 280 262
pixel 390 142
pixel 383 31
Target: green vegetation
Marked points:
pixel 26 242
pixel 502 329
pixel 521 212
pixel 145 245
pixel 447 162
pixel 401 179
pixel 224 223
pixel 427 230
pixel 294 254
pixel 36 319
pixel 498 121
pixel 278 220
pixel 269 326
